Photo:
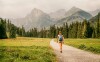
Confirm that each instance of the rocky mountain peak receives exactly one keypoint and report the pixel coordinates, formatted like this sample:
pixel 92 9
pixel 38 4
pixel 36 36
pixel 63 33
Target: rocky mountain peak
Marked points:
pixel 75 8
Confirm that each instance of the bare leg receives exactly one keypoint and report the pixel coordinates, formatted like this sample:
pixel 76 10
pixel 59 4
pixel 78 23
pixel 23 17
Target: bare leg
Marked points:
pixel 60 44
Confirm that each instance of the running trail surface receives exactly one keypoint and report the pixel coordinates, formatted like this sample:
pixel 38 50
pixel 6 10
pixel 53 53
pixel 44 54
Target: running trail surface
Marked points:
pixel 71 54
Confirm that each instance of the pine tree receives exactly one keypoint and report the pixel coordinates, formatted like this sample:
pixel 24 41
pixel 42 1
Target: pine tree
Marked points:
pixel 35 32
pixel 3 34
pixel 98 26
pixel 23 31
pixel 89 30
pixel 12 31
pixel 93 34
pixel 75 29
pixel 52 31
pixel 41 33
pixel 84 30
pixel 79 32
pixel 69 31
pixel 65 30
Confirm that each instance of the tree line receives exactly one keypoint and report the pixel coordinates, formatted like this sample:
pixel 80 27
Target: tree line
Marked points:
pixel 85 29
pixel 6 29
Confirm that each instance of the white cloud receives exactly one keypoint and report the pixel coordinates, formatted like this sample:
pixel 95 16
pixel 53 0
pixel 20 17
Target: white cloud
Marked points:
pixel 19 8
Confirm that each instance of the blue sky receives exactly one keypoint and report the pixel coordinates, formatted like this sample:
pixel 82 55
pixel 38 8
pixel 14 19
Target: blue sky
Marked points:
pixel 20 8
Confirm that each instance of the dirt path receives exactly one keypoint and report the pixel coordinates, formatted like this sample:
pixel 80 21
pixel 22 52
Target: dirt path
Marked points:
pixel 71 54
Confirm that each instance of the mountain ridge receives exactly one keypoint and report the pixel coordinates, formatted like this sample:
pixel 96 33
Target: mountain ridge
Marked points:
pixel 36 18
pixel 60 12
pixel 39 19
pixel 95 12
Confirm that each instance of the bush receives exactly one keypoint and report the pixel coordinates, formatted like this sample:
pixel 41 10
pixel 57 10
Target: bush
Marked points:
pixel 25 57
pixel 82 46
pixel 91 49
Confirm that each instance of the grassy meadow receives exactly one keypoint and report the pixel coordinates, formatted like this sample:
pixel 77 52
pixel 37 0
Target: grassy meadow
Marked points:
pixel 26 50
pixel 92 45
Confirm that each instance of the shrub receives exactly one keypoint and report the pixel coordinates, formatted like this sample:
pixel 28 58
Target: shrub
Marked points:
pixel 82 46
pixel 91 49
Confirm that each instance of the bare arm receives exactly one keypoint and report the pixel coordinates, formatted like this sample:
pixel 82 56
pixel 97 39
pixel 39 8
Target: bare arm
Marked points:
pixel 63 39
pixel 57 39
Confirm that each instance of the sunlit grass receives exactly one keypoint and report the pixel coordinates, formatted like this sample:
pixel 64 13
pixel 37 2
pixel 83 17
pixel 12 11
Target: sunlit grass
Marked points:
pixel 26 50
pixel 92 45
pixel 21 41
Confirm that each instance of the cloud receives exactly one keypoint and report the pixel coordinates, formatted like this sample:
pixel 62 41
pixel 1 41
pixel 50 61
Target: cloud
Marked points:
pixel 20 8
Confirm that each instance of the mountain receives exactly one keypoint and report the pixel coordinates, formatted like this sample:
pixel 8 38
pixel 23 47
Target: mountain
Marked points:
pixel 57 15
pixel 95 12
pixel 95 18
pixel 36 18
pixel 39 19
pixel 78 12
pixel 69 20
pixel 73 15
pixel 72 11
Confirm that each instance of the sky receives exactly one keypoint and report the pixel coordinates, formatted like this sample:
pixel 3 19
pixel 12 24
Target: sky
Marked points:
pixel 20 8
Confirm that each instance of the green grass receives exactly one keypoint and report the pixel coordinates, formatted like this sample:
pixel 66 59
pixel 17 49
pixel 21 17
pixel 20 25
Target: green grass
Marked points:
pixel 92 45
pixel 26 50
